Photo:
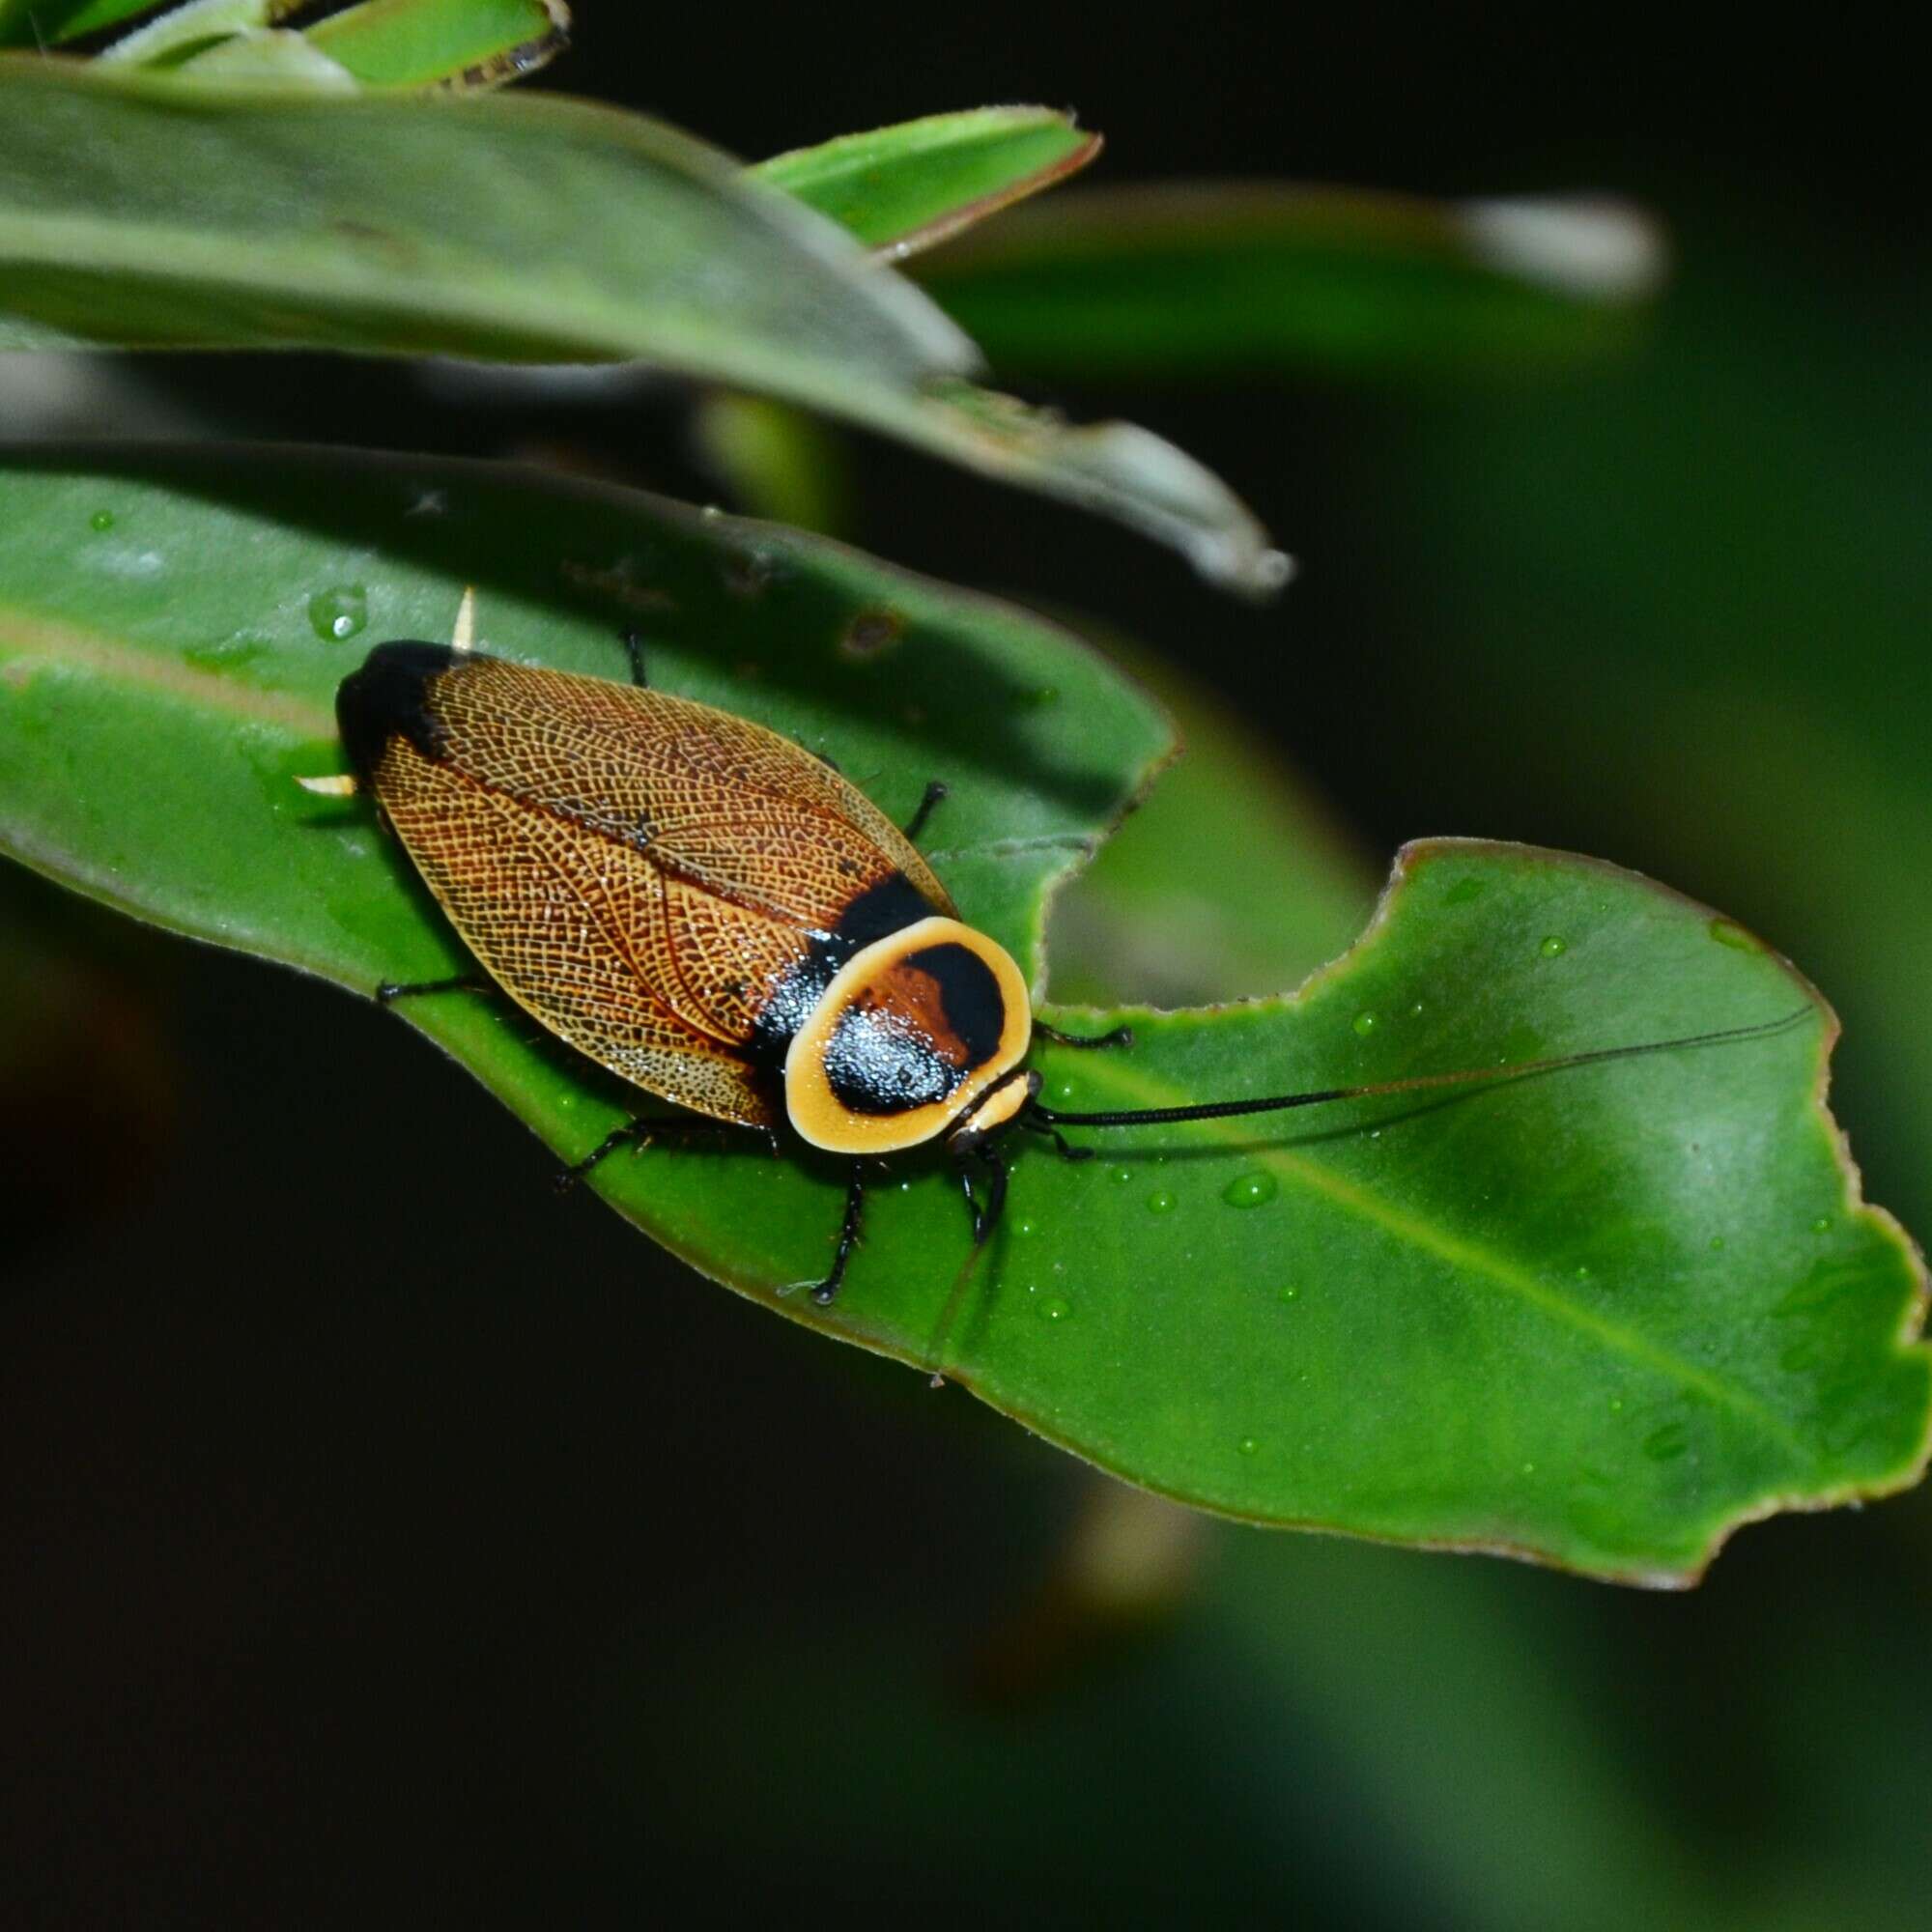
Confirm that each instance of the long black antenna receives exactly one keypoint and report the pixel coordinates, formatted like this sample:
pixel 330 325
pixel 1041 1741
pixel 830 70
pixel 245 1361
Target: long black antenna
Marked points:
pixel 1223 1110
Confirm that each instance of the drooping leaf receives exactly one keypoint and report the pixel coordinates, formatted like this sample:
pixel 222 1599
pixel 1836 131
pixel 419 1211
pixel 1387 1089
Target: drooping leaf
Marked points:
pixel 1598 1316
pixel 1220 280
pixel 908 187
pixel 145 210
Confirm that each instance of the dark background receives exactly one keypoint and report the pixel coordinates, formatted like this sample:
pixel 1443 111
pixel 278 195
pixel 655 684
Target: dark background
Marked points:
pixel 385 1539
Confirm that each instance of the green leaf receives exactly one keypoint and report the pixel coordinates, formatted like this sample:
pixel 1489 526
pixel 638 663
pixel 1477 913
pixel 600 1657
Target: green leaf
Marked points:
pixel 29 23
pixel 195 26
pixel 416 43
pixel 908 187
pixel 535 229
pixel 1230 880
pixel 1598 1317
pixel 1219 280
pixel 266 58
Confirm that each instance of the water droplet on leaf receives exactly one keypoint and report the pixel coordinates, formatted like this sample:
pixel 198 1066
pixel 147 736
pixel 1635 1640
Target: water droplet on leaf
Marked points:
pixel 1553 946
pixel 1366 1024
pixel 1160 1202
pixel 339 613
pixel 1249 1190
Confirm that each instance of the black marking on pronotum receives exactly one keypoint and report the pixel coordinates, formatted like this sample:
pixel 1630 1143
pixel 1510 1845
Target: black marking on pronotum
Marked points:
pixel 879 1066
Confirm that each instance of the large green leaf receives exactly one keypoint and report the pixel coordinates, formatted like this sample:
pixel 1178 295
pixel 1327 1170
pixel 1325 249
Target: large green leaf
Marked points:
pixel 1598 1316
pixel 1216 281
pixel 143 210
pixel 912 185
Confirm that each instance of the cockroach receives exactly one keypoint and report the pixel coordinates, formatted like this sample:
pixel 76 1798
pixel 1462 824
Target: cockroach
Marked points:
pixel 722 919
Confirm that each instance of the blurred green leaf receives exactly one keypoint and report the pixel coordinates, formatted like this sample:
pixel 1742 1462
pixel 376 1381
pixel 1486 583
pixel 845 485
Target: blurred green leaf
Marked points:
pixel 265 58
pixel 1217 281
pixel 1230 879
pixel 27 23
pixel 402 43
pixel 1598 1317
pixel 776 462
pixel 178 33
pixel 134 210
pixel 416 43
pixel 908 187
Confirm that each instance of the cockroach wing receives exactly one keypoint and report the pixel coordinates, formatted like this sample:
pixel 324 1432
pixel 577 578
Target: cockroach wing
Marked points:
pixel 582 933
pixel 721 803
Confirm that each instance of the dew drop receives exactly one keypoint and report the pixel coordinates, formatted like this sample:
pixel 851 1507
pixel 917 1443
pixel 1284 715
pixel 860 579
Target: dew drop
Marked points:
pixel 1717 1243
pixel 1160 1202
pixel 1290 1295
pixel 1123 1174
pixel 101 519
pixel 1366 1024
pixel 1415 1011
pixel 1064 1092
pixel 1249 1190
pixel 339 613
pixel 1616 1405
pixel 1053 1309
pixel 1665 1445
pixel 1250 1444
pixel 1822 1225
pixel 1555 944
pixel 1582 1270
pixel 1024 1226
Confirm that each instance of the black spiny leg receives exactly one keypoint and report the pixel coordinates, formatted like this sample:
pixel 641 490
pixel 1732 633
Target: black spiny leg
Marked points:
pixel 1119 1036
pixel 634 649
pixel 987 1216
pixel 1060 1140
pixel 848 1237
pixel 389 992
pixel 935 790
pixel 643 1132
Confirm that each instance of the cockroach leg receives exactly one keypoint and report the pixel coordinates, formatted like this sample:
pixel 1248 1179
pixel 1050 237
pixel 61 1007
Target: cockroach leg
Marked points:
pixel 634 649
pixel 849 1235
pixel 389 991
pixel 935 790
pixel 1068 1152
pixel 988 1217
pixel 646 1131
